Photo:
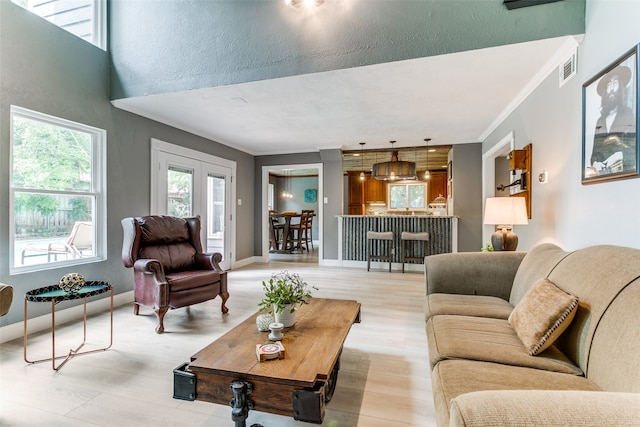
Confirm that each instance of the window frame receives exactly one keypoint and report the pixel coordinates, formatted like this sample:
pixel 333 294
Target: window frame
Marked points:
pixel 98 22
pixel 98 190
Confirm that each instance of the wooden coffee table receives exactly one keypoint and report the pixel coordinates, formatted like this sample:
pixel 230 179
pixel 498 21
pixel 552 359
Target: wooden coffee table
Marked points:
pixel 228 372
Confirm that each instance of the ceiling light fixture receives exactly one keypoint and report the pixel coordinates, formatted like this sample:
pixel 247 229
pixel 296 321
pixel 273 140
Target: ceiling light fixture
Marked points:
pixel 287 194
pixel 427 174
pixel 362 160
pixel 394 169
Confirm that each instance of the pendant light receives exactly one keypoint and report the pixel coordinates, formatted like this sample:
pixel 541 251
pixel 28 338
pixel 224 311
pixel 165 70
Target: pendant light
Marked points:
pixel 284 190
pixel 287 194
pixel 394 169
pixel 427 175
pixel 362 177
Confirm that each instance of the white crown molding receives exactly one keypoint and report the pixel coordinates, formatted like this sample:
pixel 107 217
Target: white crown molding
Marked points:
pixel 567 48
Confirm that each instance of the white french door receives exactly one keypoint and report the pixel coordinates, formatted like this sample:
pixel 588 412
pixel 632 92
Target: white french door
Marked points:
pixel 183 184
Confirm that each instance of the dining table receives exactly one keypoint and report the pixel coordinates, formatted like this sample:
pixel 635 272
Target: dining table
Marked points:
pixel 286 247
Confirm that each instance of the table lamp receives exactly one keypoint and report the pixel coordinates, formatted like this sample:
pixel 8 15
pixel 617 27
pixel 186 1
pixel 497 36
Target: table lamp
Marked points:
pixel 504 212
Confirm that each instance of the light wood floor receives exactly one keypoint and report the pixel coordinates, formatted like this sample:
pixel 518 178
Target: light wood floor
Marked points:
pixel 384 379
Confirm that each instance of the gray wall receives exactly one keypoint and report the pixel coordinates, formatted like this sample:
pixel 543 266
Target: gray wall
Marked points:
pixel 332 187
pixel 169 46
pixel 467 195
pixel 46 69
pixel 564 211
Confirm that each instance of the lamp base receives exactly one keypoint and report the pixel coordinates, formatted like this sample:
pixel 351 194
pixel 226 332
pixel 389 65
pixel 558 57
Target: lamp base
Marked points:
pixel 504 239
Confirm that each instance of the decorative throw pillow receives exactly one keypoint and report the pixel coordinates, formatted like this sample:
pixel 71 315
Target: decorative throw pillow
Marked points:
pixel 542 315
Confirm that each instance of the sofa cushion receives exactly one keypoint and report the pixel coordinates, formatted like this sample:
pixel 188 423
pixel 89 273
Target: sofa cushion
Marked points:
pixel 596 275
pixel 542 315
pixel 467 305
pixel 615 349
pixel 174 257
pixel 452 378
pixel 490 340
pixel 539 262
pixel 184 280
pixel 541 408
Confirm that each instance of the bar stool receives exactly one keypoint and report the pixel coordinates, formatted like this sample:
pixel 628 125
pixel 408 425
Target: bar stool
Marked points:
pixel 387 237
pixel 408 238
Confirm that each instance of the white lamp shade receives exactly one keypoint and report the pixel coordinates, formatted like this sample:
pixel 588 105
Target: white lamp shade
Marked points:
pixel 505 211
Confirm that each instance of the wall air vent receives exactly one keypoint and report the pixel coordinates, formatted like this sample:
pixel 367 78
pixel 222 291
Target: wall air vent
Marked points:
pixel 567 69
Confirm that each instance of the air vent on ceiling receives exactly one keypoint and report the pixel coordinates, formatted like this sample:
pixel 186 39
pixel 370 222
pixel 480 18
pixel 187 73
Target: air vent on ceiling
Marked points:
pixel 567 69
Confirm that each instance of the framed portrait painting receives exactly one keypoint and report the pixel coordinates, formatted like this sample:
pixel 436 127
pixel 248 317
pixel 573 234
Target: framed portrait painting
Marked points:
pixel 610 121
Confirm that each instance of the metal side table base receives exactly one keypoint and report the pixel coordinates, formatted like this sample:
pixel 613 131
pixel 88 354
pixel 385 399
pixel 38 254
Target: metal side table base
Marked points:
pixel 54 295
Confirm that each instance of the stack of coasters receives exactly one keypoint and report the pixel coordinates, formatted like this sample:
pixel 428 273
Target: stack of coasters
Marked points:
pixel 270 351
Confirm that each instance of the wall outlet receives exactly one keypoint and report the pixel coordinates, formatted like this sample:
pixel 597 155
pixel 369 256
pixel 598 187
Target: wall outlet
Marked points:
pixel 543 177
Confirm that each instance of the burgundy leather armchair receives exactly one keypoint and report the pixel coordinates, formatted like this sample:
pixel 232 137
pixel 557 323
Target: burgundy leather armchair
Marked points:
pixel 169 269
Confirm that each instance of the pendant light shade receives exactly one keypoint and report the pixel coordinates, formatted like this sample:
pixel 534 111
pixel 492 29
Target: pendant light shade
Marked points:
pixel 394 169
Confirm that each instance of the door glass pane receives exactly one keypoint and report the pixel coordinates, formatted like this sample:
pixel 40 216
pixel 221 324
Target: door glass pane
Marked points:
pixel 179 192
pixel 215 214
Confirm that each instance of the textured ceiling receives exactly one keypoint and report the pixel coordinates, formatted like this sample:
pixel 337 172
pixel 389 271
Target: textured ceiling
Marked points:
pixel 452 99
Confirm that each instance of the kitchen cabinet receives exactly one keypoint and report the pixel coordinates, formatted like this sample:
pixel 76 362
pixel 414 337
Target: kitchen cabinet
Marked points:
pixel 375 191
pixel 437 185
pixel 362 193
pixel 355 194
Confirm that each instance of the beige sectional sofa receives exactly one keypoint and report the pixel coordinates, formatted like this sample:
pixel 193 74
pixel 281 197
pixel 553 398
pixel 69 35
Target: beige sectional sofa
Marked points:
pixel 482 374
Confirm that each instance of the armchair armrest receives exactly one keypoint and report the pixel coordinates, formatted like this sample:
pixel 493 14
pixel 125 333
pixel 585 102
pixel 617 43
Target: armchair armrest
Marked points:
pixel 150 266
pixel 209 261
pixel 150 284
pixel 545 408
pixel 472 273
pixel 6 297
pixel 212 262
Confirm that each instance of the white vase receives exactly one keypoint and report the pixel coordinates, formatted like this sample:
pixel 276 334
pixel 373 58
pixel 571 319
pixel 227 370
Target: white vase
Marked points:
pixel 286 317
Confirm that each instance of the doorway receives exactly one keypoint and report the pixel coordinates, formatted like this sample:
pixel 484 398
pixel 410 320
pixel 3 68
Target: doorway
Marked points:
pixel 187 183
pixel 292 188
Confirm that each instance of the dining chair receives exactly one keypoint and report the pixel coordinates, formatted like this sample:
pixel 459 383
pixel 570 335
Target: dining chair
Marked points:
pixel 276 231
pixel 308 227
pixel 300 230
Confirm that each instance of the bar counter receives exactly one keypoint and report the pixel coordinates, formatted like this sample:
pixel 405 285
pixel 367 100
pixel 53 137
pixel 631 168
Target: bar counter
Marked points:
pixel 352 231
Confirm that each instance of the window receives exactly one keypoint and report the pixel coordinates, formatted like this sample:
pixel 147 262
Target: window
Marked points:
pixel 84 18
pixel 407 196
pixel 57 192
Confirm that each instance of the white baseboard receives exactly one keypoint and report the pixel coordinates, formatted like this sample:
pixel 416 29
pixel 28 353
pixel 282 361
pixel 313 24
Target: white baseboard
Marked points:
pixel 41 323
pixel 330 262
pixel 396 267
pixel 247 261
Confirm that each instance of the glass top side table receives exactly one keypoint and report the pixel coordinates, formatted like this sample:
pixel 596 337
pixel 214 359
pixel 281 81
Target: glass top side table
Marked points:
pixel 53 294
